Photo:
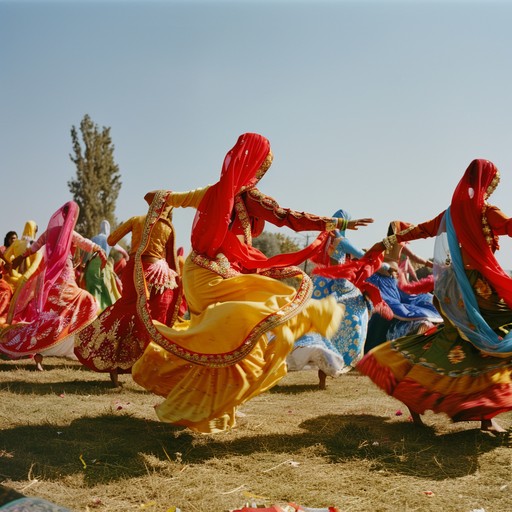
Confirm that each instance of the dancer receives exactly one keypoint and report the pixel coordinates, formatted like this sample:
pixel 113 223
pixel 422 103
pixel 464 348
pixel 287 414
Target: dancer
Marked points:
pixel 51 307
pixel 411 303
pixel 101 282
pixel 464 368
pixel 16 277
pixel 117 338
pixel 9 238
pixel 208 366
pixel 341 353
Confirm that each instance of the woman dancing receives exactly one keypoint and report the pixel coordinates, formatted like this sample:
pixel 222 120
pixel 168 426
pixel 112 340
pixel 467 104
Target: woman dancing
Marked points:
pixel 208 366
pixel 464 367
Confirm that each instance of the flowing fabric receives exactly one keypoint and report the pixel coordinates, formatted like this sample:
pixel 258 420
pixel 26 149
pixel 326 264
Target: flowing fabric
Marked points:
pixel 463 368
pixel 48 310
pixel 5 300
pixel 468 202
pixel 208 366
pixel 210 231
pixel 117 338
pixel 342 352
pixel 458 300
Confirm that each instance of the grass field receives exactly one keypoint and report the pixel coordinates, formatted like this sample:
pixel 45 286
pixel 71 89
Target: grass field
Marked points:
pixel 68 437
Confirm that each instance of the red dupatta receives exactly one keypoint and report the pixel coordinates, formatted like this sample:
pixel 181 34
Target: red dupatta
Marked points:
pixel 468 201
pixel 210 231
pixel 57 244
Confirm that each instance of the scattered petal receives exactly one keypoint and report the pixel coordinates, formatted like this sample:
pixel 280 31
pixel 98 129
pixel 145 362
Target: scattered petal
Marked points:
pixel 96 502
pixel 428 493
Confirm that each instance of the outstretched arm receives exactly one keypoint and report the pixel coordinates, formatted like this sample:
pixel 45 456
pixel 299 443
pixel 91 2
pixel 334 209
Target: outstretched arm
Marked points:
pixel 191 198
pixel 261 206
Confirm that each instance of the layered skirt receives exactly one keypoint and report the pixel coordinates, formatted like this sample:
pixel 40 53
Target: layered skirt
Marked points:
pixel 442 372
pixel 118 337
pixel 234 346
pixel 344 350
pixel 68 309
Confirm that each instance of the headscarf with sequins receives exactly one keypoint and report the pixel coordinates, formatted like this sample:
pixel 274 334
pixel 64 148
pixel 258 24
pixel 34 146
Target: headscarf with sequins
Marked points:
pixel 475 236
pixel 242 169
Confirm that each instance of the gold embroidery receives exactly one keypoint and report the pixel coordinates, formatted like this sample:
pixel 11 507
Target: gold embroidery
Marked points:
pixel 456 355
pixel 241 212
pixel 482 288
pixel 220 265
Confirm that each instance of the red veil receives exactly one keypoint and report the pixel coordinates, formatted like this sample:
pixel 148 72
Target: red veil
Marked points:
pixel 478 182
pixel 210 232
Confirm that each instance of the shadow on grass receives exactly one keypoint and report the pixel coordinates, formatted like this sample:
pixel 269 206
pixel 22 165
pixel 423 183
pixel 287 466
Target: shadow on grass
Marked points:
pixel 294 389
pixel 74 387
pixel 49 363
pixel 112 447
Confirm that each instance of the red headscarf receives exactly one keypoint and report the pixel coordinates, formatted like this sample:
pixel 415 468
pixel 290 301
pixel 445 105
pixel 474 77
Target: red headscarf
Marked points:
pixel 214 212
pixel 478 182
pixel 210 231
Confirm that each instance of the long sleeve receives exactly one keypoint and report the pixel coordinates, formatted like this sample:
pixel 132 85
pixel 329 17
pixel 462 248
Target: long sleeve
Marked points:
pixel 424 230
pixel 83 243
pixel 349 248
pixel 261 207
pixel 499 222
pixel 191 198
pixel 121 231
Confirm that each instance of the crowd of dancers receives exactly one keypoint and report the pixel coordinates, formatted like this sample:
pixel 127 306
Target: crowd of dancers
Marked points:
pixel 210 331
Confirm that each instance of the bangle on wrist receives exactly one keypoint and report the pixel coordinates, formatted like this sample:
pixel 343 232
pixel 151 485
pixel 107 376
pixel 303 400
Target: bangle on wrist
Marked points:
pixel 342 224
pixel 389 242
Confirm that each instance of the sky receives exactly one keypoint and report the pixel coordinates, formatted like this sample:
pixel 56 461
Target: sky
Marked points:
pixel 376 107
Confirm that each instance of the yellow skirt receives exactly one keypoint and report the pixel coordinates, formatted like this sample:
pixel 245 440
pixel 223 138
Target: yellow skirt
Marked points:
pixel 233 348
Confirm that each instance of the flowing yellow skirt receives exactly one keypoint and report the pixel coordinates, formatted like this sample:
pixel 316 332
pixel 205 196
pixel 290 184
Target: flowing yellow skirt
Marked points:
pixel 233 348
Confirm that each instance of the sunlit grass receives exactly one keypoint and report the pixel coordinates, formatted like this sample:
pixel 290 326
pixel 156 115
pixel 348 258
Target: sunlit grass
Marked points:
pixel 67 436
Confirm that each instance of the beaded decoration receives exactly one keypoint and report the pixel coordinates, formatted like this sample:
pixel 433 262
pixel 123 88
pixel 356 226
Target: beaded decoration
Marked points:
pixel 491 239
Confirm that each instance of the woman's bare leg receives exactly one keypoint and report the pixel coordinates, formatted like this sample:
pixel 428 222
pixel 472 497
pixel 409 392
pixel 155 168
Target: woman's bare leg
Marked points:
pixel 492 426
pixel 115 379
pixel 322 377
pixel 38 359
pixel 416 418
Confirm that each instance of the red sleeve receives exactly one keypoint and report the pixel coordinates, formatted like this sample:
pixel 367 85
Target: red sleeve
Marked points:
pixel 263 208
pixel 499 222
pixel 424 230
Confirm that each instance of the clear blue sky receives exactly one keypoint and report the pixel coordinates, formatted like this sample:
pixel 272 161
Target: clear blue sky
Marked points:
pixel 374 107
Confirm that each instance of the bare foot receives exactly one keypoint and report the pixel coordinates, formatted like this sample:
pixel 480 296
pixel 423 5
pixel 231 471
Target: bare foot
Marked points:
pixel 492 426
pixel 322 377
pixel 416 418
pixel 38 359
pixel 115 379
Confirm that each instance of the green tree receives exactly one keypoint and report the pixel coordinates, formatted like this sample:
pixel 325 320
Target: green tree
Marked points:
pixel 271 244
pixel 98 181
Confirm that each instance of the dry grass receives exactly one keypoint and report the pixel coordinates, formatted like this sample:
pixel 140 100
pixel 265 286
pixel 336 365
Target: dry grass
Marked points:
pixel 66 436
